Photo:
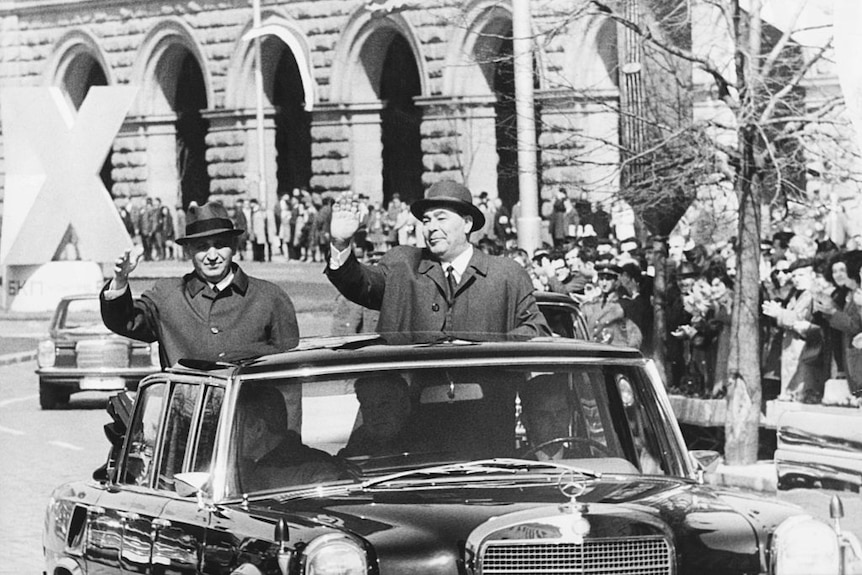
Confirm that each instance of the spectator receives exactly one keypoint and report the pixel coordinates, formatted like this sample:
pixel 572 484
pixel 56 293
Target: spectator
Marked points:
pixel 846 319
pixel 606 321
pixel 557 218
pixel 802 366
pixel 635 304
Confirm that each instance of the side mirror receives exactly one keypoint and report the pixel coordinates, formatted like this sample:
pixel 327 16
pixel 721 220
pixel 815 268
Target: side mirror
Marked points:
pixel 705 461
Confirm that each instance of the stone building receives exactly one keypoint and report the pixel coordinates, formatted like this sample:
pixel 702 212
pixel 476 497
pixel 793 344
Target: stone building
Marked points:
pixel 377 96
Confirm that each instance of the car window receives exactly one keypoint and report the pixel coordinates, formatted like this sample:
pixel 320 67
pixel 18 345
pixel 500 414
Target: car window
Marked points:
pixel 143 434
pixel 311 430
pixel 208 428
pixel 181 412
pixel 81 313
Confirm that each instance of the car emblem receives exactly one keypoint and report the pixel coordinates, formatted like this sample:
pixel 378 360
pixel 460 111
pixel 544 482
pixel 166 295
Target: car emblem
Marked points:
pixel 572 485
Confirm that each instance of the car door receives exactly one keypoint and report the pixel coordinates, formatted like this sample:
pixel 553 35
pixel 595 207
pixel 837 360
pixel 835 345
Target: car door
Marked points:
pixel 181 528
pixel 118 534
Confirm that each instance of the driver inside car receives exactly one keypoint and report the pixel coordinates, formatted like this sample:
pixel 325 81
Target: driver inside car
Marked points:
pixel 387 409
pixel 546 412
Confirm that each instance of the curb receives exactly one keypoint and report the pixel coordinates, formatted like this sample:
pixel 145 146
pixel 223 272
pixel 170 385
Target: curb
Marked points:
pixel 11 358
pixel 760 477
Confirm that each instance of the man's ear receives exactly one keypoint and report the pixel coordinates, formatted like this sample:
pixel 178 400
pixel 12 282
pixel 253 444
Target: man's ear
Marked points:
pixel 469 220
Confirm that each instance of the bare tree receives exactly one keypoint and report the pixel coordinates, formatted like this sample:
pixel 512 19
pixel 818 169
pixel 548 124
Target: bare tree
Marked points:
pixel 776 134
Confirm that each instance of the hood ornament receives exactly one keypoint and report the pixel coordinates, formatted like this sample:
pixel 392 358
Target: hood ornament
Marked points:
pixel 572 485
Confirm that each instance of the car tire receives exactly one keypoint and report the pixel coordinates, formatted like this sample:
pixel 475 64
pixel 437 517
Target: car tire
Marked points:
pixel 51 396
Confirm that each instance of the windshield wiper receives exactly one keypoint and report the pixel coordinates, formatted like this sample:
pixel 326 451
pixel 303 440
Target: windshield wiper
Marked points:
pixel 508 465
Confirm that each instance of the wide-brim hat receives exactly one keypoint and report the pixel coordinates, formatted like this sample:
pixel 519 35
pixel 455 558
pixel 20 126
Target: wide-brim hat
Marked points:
pixel 210 219
pixel 452 196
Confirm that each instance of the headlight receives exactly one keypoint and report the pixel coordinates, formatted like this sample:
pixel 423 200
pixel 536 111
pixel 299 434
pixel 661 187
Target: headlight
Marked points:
pixel 334 554
pixel 47 353
pixel 154 354
pixel 804 546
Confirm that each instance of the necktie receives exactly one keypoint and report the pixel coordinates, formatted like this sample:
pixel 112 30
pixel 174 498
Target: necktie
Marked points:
pixel 450 280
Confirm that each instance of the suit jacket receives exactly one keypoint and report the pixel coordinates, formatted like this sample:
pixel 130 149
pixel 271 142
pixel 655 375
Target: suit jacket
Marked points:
pixel 409 288
pixel 249 317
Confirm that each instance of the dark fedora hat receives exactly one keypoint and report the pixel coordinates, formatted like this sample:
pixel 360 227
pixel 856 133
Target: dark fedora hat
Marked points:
pixel 210 219
pixel 450 195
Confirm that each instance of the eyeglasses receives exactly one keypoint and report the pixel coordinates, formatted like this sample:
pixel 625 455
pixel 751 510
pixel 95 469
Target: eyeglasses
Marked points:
pixel 610 277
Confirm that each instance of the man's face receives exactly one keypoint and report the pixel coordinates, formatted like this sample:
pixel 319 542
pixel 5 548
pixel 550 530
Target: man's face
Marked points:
pixel 212 257
pixel 627 282
pixel 685 285
pixel 547 418
pixel 802 278
pixel 573 261
pixel 446 232
pixel 385 409
pixel 607 282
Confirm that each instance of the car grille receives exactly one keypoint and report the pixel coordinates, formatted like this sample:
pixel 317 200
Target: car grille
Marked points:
pixel 634 556
pixel 100 353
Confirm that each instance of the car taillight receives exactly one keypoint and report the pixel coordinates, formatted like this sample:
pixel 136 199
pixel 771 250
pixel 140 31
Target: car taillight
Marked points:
pixel 47 354
pixel 154 354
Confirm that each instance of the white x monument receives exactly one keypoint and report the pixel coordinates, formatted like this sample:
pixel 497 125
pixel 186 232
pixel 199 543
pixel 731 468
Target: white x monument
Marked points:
pixel 55 205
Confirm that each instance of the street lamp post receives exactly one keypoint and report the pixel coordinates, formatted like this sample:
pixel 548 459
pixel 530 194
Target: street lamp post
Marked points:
pixel 258 89
pixel 529 223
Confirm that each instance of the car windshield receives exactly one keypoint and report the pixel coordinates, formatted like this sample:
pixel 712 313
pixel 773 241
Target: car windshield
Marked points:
pixel 296 432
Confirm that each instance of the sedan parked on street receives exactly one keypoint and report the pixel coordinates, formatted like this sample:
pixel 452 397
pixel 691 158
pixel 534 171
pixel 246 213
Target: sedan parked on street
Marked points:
pixel 356 457
pixel 81 354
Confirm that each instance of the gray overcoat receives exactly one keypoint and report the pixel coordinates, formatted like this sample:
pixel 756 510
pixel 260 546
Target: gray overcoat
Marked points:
pixel 494 297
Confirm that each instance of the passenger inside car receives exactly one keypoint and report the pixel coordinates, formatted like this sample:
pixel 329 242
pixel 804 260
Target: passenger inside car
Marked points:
pixel 386 410
pixel 270 454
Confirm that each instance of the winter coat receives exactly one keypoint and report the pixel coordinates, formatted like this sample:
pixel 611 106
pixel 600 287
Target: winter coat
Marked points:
pixel 408 286
pixel 250 317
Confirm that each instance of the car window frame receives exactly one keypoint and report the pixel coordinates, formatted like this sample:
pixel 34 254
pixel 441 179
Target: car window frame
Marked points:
pixel 192 442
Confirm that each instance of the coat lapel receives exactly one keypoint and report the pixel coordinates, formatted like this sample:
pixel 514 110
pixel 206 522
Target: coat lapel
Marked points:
pixel 433 270
pixel 478 266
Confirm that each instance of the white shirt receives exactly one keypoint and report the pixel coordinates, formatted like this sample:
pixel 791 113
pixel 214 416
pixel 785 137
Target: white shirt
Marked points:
pixel 460 263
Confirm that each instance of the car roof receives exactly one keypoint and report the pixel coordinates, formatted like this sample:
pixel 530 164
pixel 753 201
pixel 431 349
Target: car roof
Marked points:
pixel 356 350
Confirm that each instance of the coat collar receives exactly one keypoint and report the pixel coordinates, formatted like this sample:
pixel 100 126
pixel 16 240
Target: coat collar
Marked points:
pixel 195 285
pixel 430 266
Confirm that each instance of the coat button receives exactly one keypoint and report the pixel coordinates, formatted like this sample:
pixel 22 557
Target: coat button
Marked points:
pixel 214 329
pixel 435 307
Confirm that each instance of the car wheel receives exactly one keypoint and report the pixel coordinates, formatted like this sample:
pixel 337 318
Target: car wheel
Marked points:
pixel 51 396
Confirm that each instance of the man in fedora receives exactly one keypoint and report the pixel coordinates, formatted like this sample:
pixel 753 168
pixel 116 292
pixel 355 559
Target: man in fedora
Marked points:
pixel 446 288
pixel 214 313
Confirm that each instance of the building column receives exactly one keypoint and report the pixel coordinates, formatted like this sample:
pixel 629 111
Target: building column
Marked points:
pixel 163 180
pixel 459 141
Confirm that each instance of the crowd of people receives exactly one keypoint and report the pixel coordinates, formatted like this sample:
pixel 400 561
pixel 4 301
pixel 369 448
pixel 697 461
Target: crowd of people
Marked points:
pixel 811 299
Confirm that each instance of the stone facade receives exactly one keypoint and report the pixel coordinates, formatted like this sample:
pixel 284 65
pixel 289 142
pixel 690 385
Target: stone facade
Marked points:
pixel 340 48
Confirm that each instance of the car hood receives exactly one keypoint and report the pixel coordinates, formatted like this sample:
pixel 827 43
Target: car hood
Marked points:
pixel 421 528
